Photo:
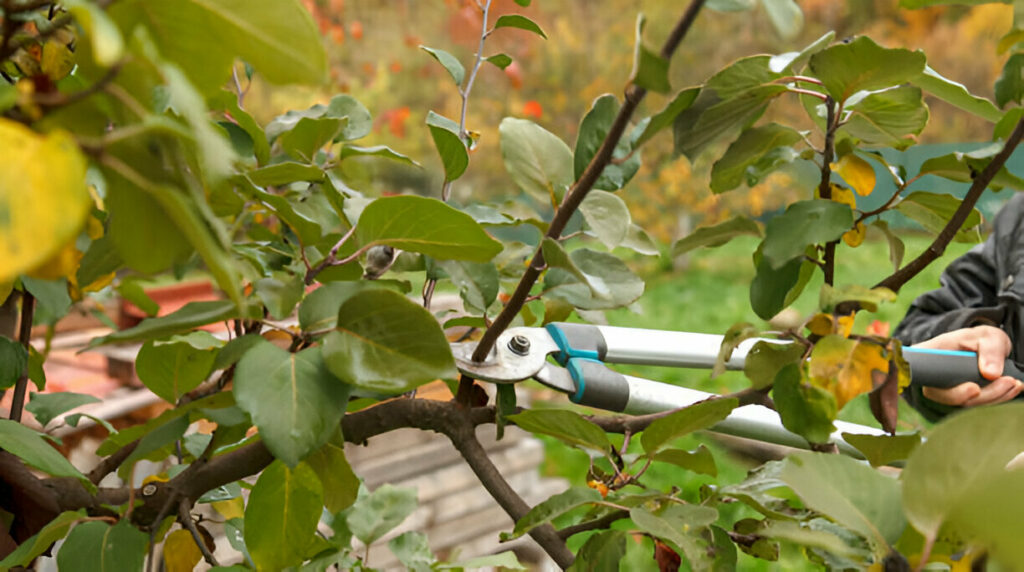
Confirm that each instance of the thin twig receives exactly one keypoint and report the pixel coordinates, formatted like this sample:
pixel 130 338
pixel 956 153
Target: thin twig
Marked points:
pixel 331 257
pixel 111 463
pixel 185 518
pixel 59 99
pixel 824 186
pixel 597 524
pixel 28 304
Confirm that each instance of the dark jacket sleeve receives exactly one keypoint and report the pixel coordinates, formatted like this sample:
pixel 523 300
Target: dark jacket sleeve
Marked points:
pixel 968 295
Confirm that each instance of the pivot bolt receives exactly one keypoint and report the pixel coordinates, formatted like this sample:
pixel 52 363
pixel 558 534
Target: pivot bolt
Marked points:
pixel 520 345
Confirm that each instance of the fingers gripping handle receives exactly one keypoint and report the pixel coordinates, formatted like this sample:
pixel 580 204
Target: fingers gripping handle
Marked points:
pixel 948 368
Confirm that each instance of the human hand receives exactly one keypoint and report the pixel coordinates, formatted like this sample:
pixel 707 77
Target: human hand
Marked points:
pixel 992 346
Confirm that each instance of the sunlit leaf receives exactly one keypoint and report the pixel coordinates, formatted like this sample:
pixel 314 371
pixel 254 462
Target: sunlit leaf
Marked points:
pixel 857 173
pixel 375 151
pixel 539 162
pixel 863 65
pixel 36 224
pixel 685 421
pixel 425 225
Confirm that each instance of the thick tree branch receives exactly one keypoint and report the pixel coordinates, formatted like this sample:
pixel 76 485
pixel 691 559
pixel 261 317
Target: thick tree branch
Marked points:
pixel 978 186
pixel 825 185
pixel 111 463
pixel 575 195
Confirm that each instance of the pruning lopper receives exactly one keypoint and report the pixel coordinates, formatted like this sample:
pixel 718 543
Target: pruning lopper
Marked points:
pixel 580 352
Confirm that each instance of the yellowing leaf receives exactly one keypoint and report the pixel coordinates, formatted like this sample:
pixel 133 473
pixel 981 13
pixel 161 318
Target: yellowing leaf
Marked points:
pixel 820 324
pixel 43 196
pixel 843 195
pixel 180 551
pixel 57 61
pixel 63 263
pixel 229 509
pixel 845 367
pixel 857 173
pixel 855 236
pixel 845 325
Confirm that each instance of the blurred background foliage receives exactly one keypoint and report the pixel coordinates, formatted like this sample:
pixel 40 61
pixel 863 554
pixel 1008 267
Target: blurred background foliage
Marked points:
pixel 374 52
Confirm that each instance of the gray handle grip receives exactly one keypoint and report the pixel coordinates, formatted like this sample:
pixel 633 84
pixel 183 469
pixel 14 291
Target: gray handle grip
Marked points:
pixel 946 368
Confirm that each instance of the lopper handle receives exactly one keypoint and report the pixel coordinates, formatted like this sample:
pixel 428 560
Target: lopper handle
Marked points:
pixel 947 368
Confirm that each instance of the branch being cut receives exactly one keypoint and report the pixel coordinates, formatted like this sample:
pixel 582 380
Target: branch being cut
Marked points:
pixel 579 190
pixel 978 186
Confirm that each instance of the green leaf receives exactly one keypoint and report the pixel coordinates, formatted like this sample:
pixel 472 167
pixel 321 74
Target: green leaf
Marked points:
pixel 521 22
pixel 608 216
pixel 591 135
pixel 716 235
pixel 427 226
pixel 850 493
pixel 450 146
pixel 786 17
pixel 47 406
pixel 52 299
pixel 450 63
pixel 280 293
pixel 711 116
pixel 805 409
pixel 107 45
pixel 956 94
pixel 32 448
pixel 281 515
pixel 896 246
pixel 891 118
pixel 13 361
pixel 294 400
pixel 235 349
pixel 172 369
pixel 478 283
pixel 378 513
pixel 565 426
pixel 132 291
pixel 375 151
pixel 137 221
pixel 650 70
pixel 341 485
pixel 731 5
pixel 155 444
pixel 963 167
pixel 40 542
pixel 884 449
pixel 502 61
pixel 189 317
pixel 758 151
pixel 660 433
pixel 804 223
pixel 538 161
pixel 342 106
pixel 681 525
pixel 608 282
pixel 773 289
pixel 863 65
pixel 385 342
pixel 915 4
pixel 795 61
pixel 554 507
pixel 413 550
pixel 309 135
pixel 99 260
pixel 601 553
pixel 933 211
pixel 308 230
pixel 97 546
pixel 952 465
pixel 741 76
pixel 765 359
pixel 699 461
pixel 319 310
pixel 664 118
pixel 228 101
pixel 204 37
pixel 280 174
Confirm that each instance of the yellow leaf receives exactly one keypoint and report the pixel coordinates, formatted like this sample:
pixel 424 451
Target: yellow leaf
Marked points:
pixel 180 551
pixel 820 324
pixel 857 173
pixel 232 508
pixel 845 367
pixel 62 264
pixel 845 325
pixel 5 290
pixel 43 196
pixel 855 236
pixel 57 61
pixel 843 195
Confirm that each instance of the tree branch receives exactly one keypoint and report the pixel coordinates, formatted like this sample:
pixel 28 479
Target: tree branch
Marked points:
pixel 185 518
pixel 596 524
pixel 824 186
pixel 111 463
pixel 573 198
pixel 28 304
pixel 978 186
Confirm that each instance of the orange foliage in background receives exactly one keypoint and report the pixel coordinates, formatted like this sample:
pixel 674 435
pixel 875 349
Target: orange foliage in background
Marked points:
pixel 375 54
